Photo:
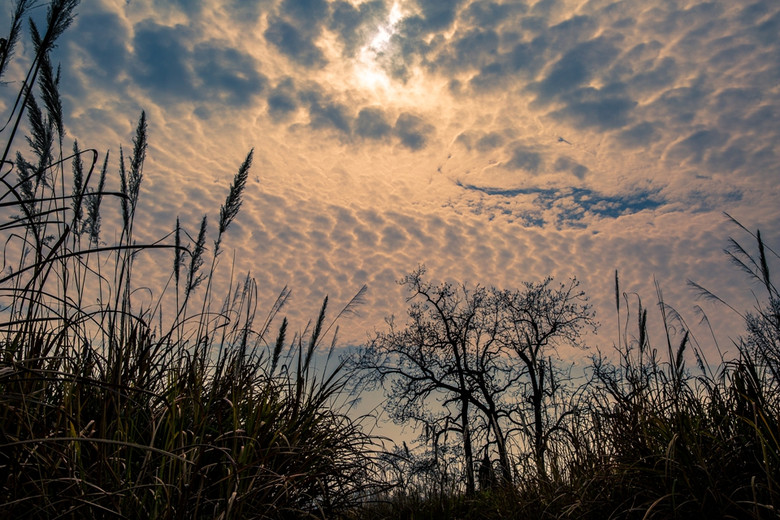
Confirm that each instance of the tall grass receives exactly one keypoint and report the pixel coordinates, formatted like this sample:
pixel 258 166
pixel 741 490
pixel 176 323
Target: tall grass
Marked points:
pixel 658 430
pixel 687 442
pixel 110 407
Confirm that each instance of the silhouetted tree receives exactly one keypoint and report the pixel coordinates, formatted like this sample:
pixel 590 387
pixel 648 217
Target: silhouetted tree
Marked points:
pixel 536 320
pixel 453 367
pixel 429 359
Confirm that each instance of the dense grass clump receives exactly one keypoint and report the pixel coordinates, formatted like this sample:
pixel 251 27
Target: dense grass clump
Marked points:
pixel 646 436
pixel 652 430
pixel 110 407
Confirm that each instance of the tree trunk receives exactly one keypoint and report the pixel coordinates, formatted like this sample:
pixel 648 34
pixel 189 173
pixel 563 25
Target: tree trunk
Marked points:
pixel 503 457
pixel 470 486
pixel 539 444
pixel 536 374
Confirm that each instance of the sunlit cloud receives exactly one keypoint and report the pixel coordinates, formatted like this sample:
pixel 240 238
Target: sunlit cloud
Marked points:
pixel 493 141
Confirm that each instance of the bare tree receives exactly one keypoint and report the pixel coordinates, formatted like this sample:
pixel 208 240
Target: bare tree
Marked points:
pixel 431 359
pixel 451 367
pixel 536 321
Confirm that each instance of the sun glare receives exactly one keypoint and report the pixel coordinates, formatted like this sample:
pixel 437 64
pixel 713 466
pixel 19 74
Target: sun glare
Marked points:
pixel 368 68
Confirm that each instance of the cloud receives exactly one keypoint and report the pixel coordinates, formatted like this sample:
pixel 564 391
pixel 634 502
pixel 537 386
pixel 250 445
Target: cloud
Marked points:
pixel 652 77
pixel 694 147
pixel 475 49
pixel 353 23
pixel 104 38
pixel 306 13
pixel 576 67
pixel 591 108
pixel 522 61
pixel 326 113
pixel 566 164
pixel 435 16
pixel 490 77
pixel 728 160
pixel 282 99
pixel 752 14
pixel 330 115
pixel 767 30
pixel 489 141
pixel 418 38
pixel 574 35
pixel 189 7
pixel 524 158
pixel 372 123
pixel 246 11
pixel 160 60
pixel 296 29
pixel 641 134
pixel 393 238
pixel 573 206
pixel 732 56
pixel 669 110
pixel 294 43
pixel 679 105
pixel 167 64
pixel 491 14
pixel 226 75
pixel 412 130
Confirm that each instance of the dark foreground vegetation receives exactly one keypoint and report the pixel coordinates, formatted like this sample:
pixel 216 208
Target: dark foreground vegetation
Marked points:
pixel 112 408
pixel 636 434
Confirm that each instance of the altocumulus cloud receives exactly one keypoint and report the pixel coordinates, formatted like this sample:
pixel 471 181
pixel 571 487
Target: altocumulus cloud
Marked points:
pixel 372 123
pixel 167 63
pixel 412 131
pixel 493 141
pixel 295 30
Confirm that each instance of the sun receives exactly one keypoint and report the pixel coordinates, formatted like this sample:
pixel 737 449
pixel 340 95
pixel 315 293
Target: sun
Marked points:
pixel 368 69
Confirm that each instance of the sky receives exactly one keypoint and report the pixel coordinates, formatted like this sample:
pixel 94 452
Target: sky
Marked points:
pixel 495 142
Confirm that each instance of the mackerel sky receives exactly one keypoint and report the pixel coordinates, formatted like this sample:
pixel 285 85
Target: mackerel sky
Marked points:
pixel 493 141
